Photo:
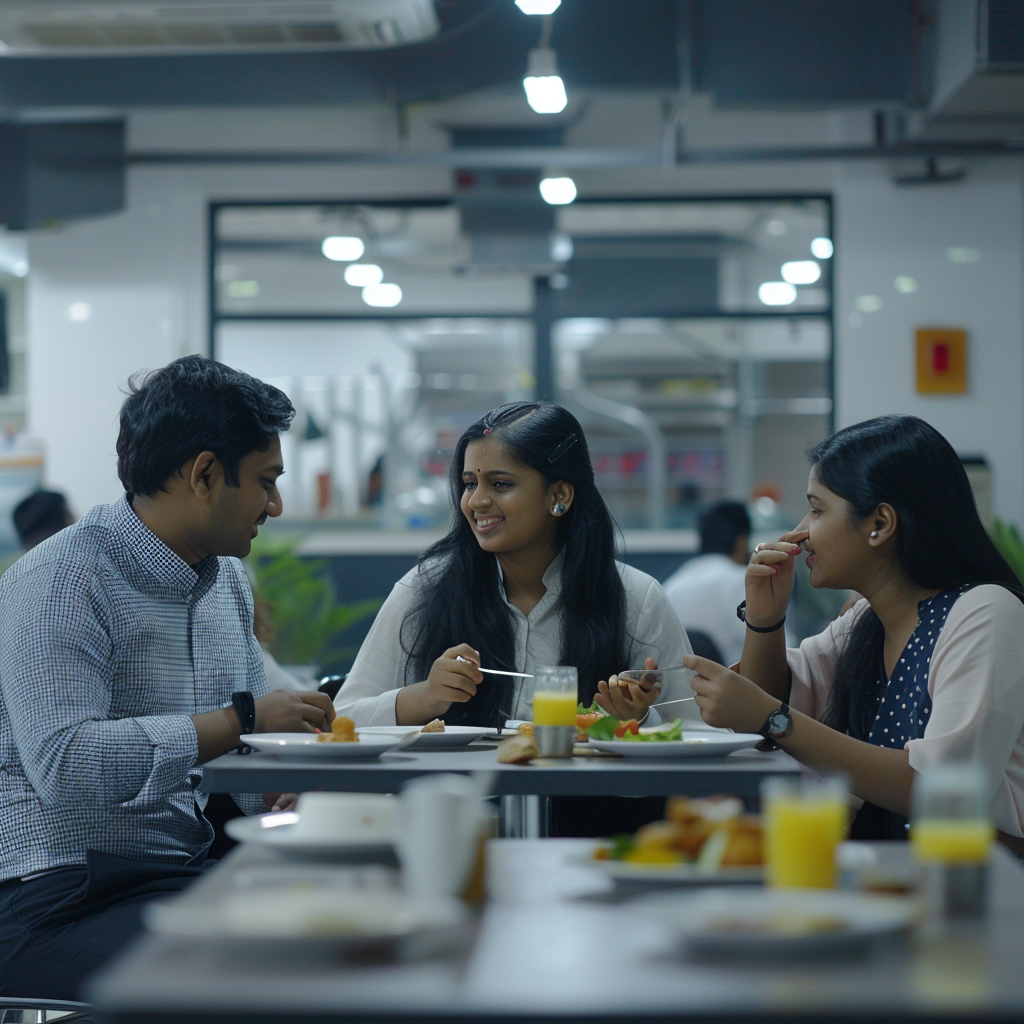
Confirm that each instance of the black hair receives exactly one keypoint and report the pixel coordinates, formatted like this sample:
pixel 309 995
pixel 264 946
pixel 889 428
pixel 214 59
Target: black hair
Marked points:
pixel 461 598
pixel 940 540
pixel 39 516
pixel 721 525
pixel 190 406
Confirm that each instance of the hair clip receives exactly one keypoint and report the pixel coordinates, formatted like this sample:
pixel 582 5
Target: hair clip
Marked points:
pixel 563 448
pixel 487 430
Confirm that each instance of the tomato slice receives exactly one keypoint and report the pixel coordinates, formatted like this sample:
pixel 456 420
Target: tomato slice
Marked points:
pixel 623 727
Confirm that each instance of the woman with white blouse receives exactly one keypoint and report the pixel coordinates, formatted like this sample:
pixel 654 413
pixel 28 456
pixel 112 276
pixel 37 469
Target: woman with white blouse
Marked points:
pixel 928 668
pixel 526 576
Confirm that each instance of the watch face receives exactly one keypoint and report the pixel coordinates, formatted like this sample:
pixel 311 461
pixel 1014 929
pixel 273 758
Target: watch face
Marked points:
pixel 779 723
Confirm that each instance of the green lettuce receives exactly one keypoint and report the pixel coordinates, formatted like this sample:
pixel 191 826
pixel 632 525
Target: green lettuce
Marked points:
pixel 666 733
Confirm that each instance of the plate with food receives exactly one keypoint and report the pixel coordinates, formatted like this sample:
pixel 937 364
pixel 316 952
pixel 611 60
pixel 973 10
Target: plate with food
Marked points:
pixel 630 739
pixel 699 842
pixel 342 743
pixel 435 735
pixel 778 923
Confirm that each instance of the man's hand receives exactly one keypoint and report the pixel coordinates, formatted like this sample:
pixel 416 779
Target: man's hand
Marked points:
pixel 624 699
pixel 291 711
pixel 726 699
pixel 281 801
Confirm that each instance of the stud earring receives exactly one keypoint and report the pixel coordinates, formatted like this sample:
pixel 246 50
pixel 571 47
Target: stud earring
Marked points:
pixel 558 509
pixel 874 533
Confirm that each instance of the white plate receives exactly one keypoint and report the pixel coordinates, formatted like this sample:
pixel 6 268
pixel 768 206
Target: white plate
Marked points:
pixel 306 745
pixel 693 744
pixel 278 830
pixel 452 737
pixel 349 918
pixel 674 874
pixel 777 922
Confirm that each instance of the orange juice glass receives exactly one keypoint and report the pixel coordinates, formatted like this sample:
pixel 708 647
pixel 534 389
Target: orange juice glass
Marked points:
pixel 554 709
pixel 805 819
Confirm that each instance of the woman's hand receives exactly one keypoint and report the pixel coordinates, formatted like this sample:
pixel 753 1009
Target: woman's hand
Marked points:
pixel 769 580
pixel 452 681
pixel 624 700
pixel 726 699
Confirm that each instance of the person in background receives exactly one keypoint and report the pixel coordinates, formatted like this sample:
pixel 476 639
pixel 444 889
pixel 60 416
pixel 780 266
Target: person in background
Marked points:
pixel 926 669
pixel 127 660
pixel 706 590
pixel 39 516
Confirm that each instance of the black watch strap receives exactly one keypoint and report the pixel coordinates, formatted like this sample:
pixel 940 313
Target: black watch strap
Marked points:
pixel 245 707
pixel 741 614
pixel 778 724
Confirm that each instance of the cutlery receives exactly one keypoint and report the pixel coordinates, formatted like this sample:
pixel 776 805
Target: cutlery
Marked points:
pixel 681 700
pixel 493 671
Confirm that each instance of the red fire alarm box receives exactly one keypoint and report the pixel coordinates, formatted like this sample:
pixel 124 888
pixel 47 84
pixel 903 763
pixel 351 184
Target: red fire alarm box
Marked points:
pixel 941 360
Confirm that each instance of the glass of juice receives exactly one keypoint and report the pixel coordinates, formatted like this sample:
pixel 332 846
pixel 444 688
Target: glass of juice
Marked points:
pixel 951 835
pixel 554 709
pixel 805 819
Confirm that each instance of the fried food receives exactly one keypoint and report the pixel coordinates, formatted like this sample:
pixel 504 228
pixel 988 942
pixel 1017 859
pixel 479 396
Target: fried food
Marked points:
pixel 518 750
pixel 526 729
pixel 343 730
pixel 435 726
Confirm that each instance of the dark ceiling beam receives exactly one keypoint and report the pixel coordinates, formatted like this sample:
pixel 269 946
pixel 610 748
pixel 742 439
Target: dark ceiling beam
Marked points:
pixel 543 157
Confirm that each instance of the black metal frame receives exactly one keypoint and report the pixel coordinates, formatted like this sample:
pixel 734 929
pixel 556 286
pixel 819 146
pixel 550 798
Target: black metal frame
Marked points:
pixel 544 375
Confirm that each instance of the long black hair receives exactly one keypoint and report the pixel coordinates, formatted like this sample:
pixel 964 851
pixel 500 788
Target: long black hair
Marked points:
pixel 461 599
pixel 940 541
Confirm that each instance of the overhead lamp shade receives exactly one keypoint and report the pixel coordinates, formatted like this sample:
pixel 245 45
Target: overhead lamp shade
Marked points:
pixel 545 91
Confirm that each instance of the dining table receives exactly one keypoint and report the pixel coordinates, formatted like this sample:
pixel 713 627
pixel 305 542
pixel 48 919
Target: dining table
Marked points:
pixel 560 941
pixel 522 788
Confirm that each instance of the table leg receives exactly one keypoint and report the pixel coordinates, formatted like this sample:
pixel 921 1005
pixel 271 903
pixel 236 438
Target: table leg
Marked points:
pixel 524 817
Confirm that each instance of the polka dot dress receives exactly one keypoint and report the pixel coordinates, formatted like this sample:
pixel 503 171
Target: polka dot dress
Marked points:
pixel 905 706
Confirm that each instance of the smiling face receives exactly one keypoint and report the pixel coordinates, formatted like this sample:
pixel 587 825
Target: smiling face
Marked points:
pixel 236 513
pixel 508 505
pixel 838 546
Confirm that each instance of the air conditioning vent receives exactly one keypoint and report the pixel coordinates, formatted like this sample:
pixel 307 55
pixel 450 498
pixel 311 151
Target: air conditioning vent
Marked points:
pixel 83 27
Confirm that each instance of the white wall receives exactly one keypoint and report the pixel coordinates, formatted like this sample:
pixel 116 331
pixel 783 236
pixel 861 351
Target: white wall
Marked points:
pixel 143 271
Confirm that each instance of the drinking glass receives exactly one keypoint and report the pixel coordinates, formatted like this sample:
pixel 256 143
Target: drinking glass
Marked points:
pixel 555 696
pixel 805 819
pixel 951 834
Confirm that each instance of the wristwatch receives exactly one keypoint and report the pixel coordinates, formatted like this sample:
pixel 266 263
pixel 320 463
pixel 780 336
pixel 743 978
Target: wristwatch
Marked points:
pixel 778 724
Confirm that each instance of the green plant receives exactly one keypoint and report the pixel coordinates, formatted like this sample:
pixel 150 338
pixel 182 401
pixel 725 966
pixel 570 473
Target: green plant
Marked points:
pixel 307 615
pixel 1010 545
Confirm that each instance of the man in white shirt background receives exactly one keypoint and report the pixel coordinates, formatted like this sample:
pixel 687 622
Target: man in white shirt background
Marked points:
pixel 706 590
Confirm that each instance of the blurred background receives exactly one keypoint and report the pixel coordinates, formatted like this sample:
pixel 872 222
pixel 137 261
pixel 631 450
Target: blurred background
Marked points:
pixel 713 229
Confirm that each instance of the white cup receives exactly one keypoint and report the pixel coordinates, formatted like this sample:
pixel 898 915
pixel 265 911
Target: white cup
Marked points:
pixel 438 829
pixel 346 816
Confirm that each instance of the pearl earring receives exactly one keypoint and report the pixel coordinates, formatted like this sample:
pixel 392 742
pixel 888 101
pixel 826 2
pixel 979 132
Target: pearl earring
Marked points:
pixel 874 533
pixel 558 509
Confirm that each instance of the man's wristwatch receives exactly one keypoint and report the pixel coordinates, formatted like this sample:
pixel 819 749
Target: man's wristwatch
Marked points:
pixel 245 707
pixel 778 725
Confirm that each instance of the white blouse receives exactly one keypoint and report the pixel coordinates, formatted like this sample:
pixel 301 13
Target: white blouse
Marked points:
pixel 652 630
pixel 976 683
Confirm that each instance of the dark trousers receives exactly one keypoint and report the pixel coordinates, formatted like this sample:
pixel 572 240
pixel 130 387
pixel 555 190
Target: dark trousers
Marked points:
pixel 58 929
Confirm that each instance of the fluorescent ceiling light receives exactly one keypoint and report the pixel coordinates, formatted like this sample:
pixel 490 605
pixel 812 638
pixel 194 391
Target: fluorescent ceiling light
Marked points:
pixel 545 91
pixel 801 271
pixel 561 246
pixel 383 295
pixel 361 275
pixel 538 6
pixel 557 191
pixel 777 293
pixel 343 248
pixel 822 248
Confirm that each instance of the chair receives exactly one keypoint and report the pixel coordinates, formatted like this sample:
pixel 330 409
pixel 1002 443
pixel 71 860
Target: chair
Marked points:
pixel 703 646
pixel 22 1010
pixel 329 685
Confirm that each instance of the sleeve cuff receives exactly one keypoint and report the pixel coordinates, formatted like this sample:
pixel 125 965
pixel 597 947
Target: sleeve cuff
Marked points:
pixel 175 749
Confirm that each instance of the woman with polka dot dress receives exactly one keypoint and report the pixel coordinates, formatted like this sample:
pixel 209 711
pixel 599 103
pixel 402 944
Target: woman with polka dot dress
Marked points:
pixel 928 668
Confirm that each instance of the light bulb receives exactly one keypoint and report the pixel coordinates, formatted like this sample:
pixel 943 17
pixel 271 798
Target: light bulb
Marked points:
pixel 342 248
pixel 557 191
pixel 777 293
pixel 360 275
pixel 801 272
pixel 538 6
pixel 382 295
pixel 545 91
pixel 822 248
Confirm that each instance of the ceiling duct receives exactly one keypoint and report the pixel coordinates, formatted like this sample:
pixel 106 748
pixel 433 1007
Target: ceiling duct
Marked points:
pixel 94 27
pixel 979 68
